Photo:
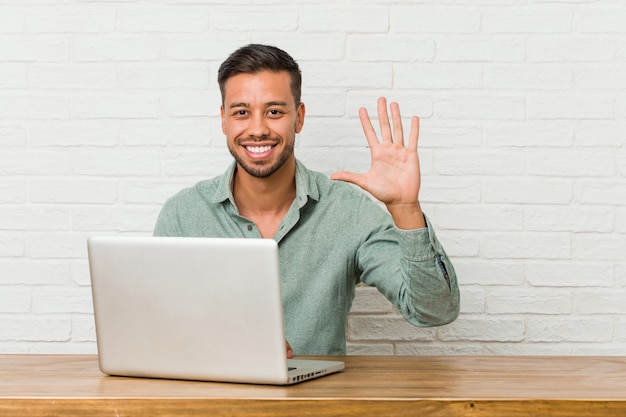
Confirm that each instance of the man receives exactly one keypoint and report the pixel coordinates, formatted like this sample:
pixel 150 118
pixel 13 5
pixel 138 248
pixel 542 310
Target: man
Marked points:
pixel 331 236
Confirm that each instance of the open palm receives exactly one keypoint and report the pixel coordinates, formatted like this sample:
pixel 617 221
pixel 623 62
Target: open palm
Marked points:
pixel 394 176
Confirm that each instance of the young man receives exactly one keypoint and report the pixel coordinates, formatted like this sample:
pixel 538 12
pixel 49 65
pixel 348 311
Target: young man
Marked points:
pixel 331 236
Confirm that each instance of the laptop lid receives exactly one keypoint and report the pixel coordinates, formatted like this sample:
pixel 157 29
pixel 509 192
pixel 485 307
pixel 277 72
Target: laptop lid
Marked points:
pixel 191 308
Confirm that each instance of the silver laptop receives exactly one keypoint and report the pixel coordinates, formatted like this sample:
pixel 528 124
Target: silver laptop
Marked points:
pixel 193 308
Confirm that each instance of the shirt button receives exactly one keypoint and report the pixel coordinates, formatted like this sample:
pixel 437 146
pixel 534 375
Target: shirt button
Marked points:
pixel 250 228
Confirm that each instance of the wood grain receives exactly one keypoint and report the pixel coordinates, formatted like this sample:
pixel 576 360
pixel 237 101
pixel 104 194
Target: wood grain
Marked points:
pixel 54 385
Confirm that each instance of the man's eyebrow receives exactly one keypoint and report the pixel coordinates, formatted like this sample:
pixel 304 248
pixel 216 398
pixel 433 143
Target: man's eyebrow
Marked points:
pixel 276 103
pixel 268 104
pixel 233 105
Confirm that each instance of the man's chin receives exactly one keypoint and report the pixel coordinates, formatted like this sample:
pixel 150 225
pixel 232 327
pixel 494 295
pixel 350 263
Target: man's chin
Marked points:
pixel 260 169
pixel 264 168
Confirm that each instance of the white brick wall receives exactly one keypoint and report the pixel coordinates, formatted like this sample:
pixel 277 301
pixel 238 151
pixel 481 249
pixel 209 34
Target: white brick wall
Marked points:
pixel 108 107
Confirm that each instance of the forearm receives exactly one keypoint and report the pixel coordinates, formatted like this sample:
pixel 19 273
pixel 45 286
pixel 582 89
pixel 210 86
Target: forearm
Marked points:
pixel 407 216
pixel 418 277
pixel 430 295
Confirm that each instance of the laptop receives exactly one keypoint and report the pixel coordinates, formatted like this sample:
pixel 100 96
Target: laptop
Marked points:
pixel 207 309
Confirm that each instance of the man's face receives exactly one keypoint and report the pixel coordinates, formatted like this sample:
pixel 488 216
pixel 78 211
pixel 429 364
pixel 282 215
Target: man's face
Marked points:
pixel 260 121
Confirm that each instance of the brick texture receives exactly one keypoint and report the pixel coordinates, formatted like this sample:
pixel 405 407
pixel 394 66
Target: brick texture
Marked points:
pixel 109 107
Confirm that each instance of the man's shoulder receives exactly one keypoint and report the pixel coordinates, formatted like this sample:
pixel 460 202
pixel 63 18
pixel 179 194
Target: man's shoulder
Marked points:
pixel 200 191
pixel 336 190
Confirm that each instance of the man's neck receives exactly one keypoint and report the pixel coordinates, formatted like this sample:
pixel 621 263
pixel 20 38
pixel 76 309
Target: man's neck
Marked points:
pixel 265 201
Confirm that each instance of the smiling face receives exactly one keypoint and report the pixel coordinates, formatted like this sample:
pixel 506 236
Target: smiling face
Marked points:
pixel 260 120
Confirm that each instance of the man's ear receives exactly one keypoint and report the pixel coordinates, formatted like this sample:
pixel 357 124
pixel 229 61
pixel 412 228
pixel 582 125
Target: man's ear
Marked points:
pixel 223 121
pixel 300 117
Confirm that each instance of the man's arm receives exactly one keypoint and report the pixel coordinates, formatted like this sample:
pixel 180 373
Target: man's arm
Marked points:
pixel 423 284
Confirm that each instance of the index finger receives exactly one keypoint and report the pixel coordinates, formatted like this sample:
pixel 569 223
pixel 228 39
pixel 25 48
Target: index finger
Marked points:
pixel 368 129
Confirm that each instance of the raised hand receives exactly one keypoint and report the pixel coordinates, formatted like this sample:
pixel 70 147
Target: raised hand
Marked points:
pixel 394 176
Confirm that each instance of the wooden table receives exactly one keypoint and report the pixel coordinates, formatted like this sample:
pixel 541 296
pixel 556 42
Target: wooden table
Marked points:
pixel 72 385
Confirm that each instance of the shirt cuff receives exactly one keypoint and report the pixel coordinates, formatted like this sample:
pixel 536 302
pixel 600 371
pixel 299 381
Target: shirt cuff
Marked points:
pixel 418 244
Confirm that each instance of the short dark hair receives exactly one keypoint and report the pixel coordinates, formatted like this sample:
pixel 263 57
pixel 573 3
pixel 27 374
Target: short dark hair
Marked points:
pixel 254 58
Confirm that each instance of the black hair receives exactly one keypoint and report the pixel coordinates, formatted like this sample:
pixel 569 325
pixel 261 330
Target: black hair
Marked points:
pixel 253 58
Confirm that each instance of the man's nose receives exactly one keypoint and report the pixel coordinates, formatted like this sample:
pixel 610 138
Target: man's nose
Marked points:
pixel 258 126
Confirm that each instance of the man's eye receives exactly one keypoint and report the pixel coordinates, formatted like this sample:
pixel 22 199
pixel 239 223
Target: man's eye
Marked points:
pixel 240 113
pixel 275 112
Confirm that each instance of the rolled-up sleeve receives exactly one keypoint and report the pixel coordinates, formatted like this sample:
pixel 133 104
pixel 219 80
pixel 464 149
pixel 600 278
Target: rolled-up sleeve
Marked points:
pixel 414 272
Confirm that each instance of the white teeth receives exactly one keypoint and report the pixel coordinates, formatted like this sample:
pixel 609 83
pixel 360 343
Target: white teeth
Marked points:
pixel 258 149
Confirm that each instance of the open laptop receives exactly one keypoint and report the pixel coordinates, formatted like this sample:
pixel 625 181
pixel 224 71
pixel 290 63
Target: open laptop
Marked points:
pixel 193 308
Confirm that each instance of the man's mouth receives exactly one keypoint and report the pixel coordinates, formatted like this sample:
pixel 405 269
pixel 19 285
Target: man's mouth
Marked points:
pixel 258 149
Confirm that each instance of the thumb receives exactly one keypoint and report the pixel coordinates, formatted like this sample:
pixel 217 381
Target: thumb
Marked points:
pixel 357 179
